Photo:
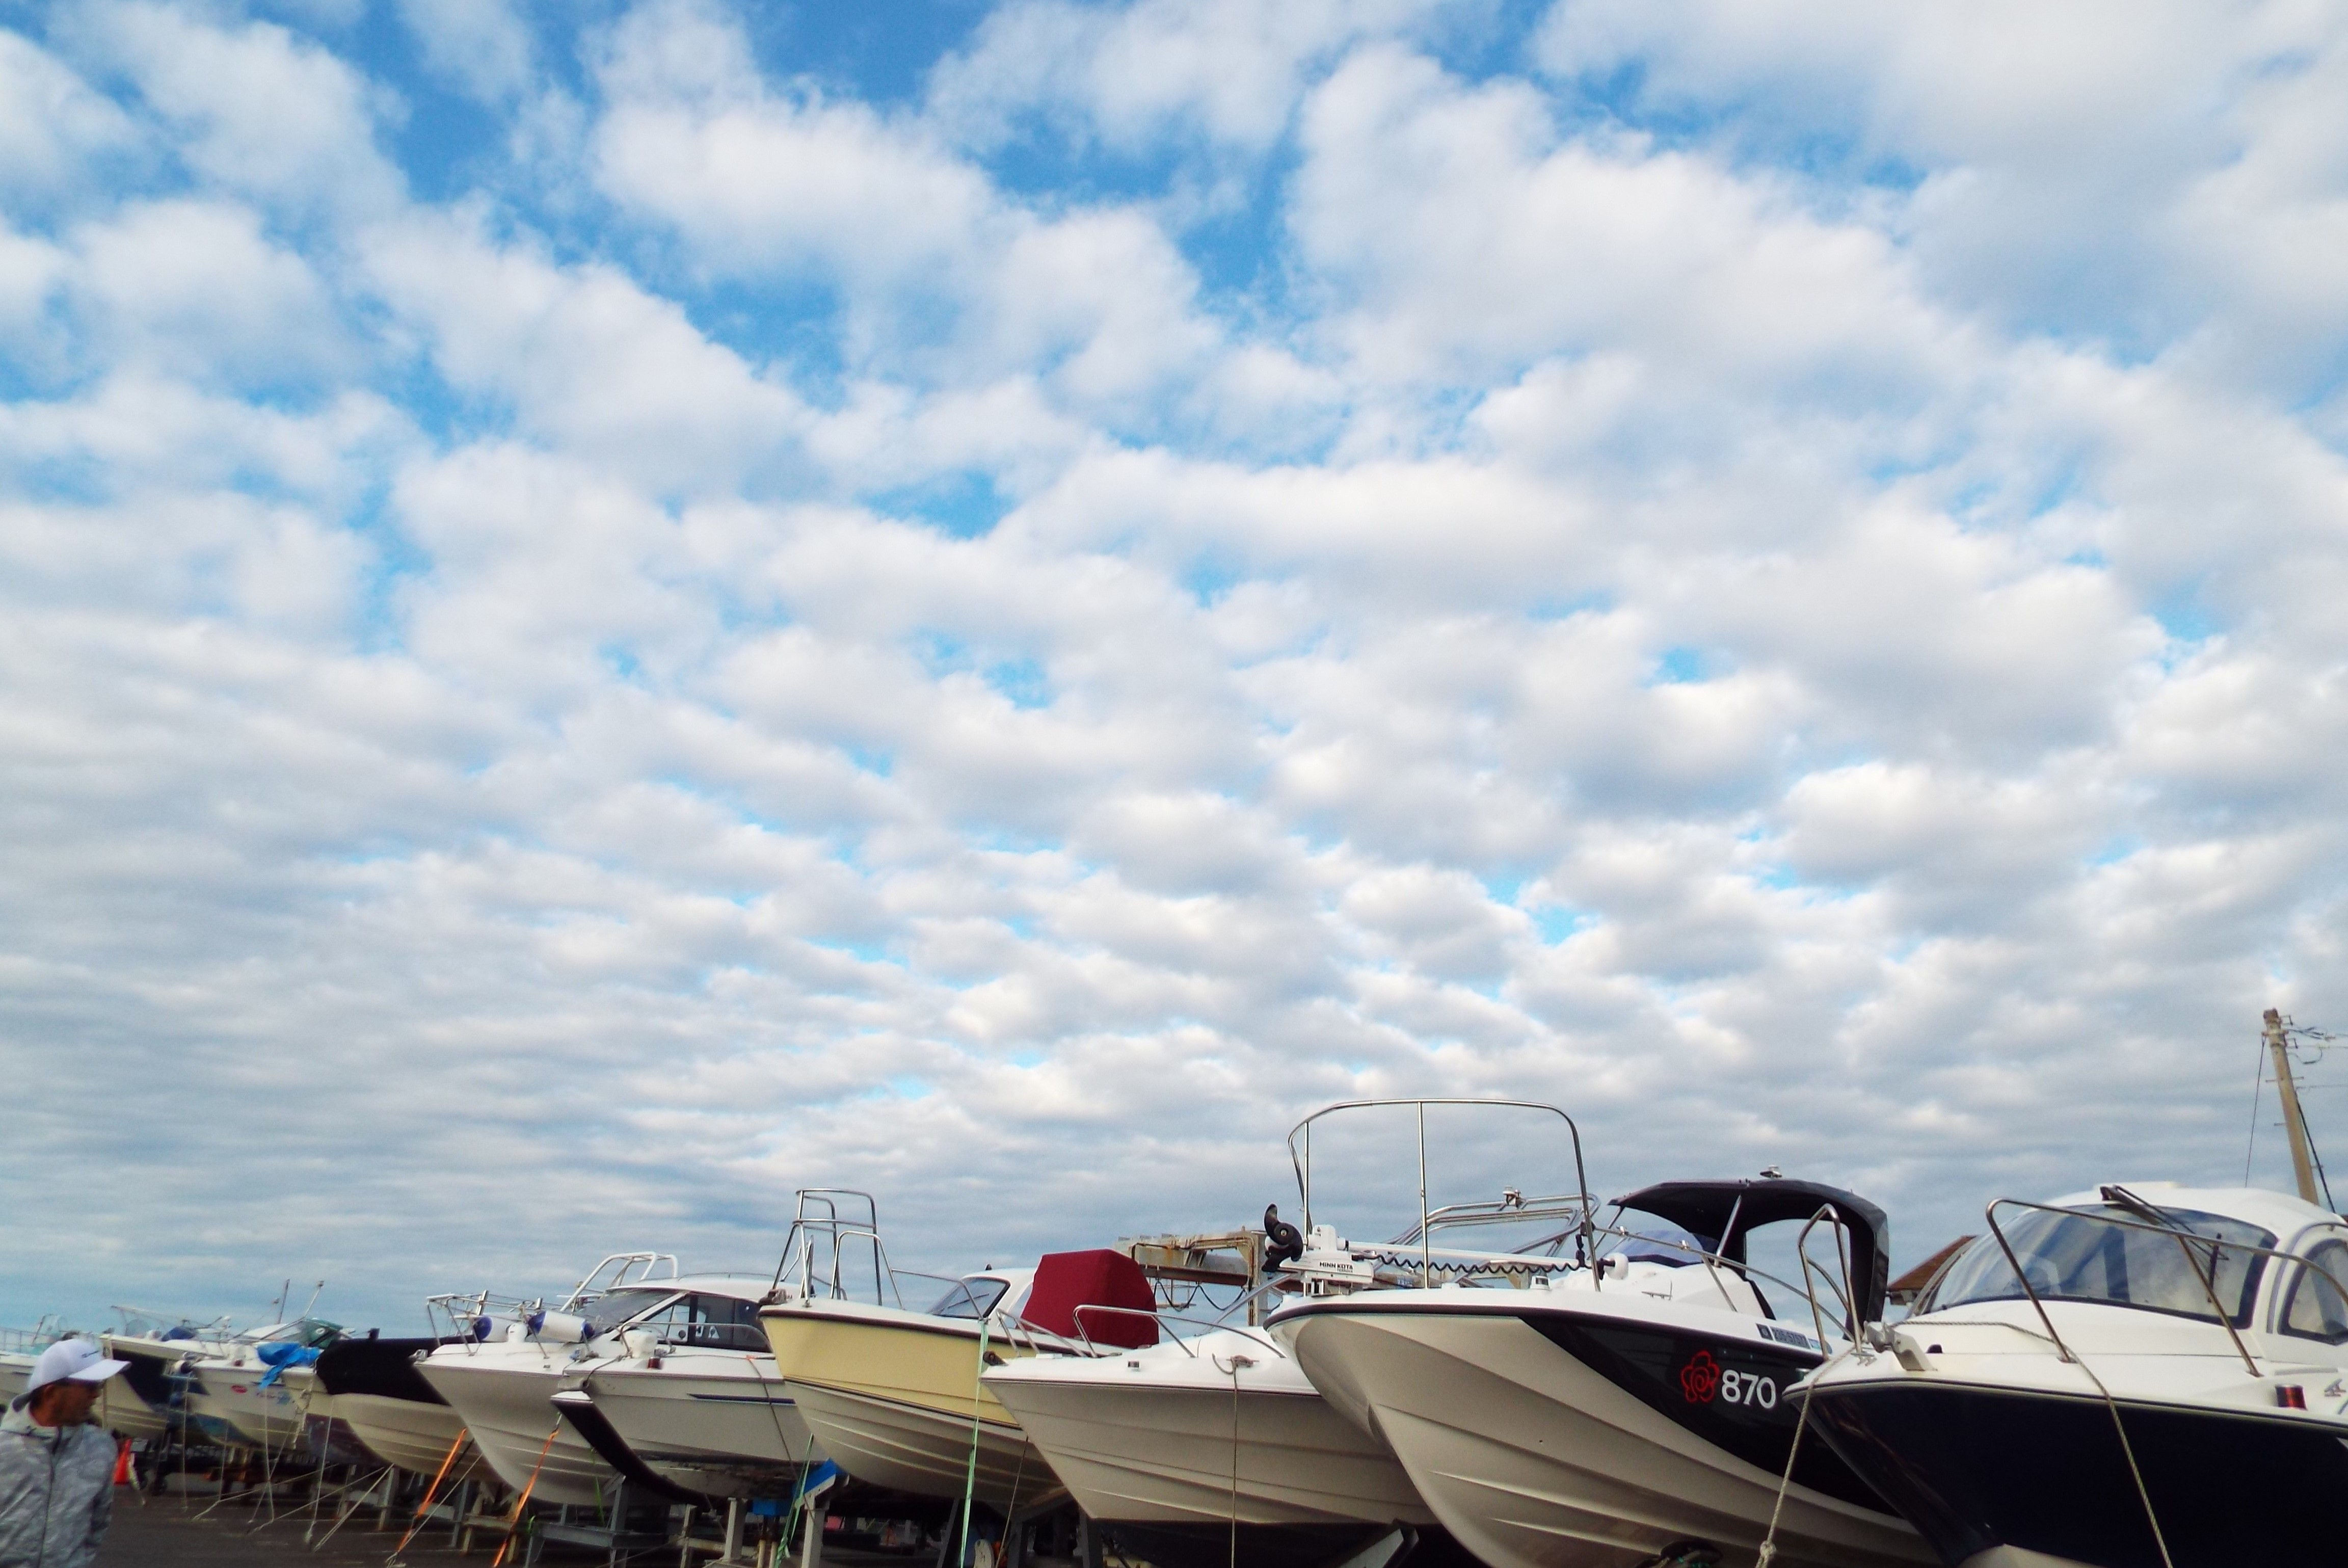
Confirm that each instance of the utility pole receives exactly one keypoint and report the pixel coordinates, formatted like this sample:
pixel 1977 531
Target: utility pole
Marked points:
pixel 2295 1122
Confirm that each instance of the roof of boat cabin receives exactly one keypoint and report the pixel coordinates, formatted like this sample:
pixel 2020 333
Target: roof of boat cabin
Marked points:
pixel 2282 1213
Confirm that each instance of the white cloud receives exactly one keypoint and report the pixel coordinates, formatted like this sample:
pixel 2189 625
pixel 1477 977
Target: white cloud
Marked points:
pixel 53 127
pixel 583 355
pixel 195 288
pixel 1132 75
pixel 256 108
pixel 482 45
pixel 742 633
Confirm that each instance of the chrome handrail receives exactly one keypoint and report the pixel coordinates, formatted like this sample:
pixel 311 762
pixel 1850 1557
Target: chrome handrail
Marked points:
pixel 1849 1294
pixel 1303 1167
pixel 587 1290
pixel 817 1223
pixel 1161 1319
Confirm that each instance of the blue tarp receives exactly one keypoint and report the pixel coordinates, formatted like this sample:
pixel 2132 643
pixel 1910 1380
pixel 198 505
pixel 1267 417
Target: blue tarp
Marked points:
pixel 278 1355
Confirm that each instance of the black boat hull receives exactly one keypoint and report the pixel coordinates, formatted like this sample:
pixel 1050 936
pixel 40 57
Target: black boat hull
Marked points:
pixel 1975 1468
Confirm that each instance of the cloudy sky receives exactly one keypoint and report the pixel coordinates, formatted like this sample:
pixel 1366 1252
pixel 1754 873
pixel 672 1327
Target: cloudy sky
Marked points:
pixel 609 611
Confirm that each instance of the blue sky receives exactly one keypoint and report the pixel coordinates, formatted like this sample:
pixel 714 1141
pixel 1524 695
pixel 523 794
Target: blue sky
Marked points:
pixel 607 611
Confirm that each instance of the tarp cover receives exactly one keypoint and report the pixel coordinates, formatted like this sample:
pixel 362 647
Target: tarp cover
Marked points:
pixel 1065 1281
pixel 279 1354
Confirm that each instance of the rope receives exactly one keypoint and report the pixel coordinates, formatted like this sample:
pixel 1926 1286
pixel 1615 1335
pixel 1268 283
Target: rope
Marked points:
pixel 347 1509
pixel 1786 1479
pixel 2128 1449
pixel 783 1442
pixel 523 1501
pixel 798 1492
pixel 969 1477
pixel 425 1506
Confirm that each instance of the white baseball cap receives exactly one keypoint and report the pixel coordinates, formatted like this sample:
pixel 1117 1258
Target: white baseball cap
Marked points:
pixel 68 1360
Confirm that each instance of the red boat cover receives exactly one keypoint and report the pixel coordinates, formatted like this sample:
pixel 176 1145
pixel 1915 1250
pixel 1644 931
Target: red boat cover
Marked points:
pixel 1065 1281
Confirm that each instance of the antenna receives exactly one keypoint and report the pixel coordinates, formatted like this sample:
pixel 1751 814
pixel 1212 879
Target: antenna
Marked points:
pixel 313 1299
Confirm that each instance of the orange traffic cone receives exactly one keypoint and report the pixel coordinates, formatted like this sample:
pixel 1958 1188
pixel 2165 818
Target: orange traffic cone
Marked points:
pixel 122 1473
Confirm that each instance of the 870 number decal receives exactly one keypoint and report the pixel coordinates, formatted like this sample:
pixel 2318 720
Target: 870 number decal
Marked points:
pixel 1703 1379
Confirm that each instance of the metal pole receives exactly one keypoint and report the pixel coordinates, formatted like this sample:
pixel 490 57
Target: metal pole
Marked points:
pixel 1426 1242
pixel 2294 1122
pixel 1308 1176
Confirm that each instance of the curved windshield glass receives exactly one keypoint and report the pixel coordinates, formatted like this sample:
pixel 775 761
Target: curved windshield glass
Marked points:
pixel 1661 1242
pixel 2317 1309
pixel 971 1298
pixel 2081 1255
pixel 611 1311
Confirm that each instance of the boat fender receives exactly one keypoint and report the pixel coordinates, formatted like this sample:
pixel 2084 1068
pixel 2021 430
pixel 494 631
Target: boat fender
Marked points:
pixel 560 1328
pixel 1283 1241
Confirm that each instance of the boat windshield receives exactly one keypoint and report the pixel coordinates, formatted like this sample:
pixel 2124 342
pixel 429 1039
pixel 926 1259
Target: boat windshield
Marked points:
pixel 1658 1241
pixel 974 1299
pixel 2080 1255
pixel 609 1311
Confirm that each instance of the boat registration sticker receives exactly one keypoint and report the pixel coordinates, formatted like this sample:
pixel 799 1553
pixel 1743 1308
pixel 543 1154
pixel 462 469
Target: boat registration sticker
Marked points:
pixel 1703 1379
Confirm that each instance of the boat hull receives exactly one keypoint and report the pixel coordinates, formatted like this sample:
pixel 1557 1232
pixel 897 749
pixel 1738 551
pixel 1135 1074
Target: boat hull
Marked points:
pixel 901 1446
pixel 505 1401
pixel 1549 1447
pixel 233 1405
pixel 409 1434
pixel 1142 1451
pixel 139 1402
pixel 1997 1477
pixel 895 1399
pixel 721 1433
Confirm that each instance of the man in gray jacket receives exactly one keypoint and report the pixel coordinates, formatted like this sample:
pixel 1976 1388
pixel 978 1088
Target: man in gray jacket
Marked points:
pixel 56 1470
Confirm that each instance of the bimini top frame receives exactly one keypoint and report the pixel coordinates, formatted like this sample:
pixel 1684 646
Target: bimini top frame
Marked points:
pixel 1511 1208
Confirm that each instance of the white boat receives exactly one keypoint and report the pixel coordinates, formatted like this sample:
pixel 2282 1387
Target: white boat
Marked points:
pixel 2136 1376
pixel 209 1374
pixel 699 1406
pixel 1635 1412
pixel 241 1396
pixel 149 1399
pixel 1219 1445
pixel 503 1389
pixel 1175 1443
pixel 710 1424
pixel 19 1349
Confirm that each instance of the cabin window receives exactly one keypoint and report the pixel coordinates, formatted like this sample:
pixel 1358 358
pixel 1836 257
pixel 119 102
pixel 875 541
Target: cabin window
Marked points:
pixel 2081 1255
pixel 720 1322
pixel 609 1311
pixel 973 1298
pixel 2316 1309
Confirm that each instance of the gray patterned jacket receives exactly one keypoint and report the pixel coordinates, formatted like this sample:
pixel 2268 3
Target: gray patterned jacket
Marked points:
pixel 57 1493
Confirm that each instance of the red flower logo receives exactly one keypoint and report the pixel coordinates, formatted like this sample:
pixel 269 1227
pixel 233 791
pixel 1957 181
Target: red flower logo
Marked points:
pixel 1700 1378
